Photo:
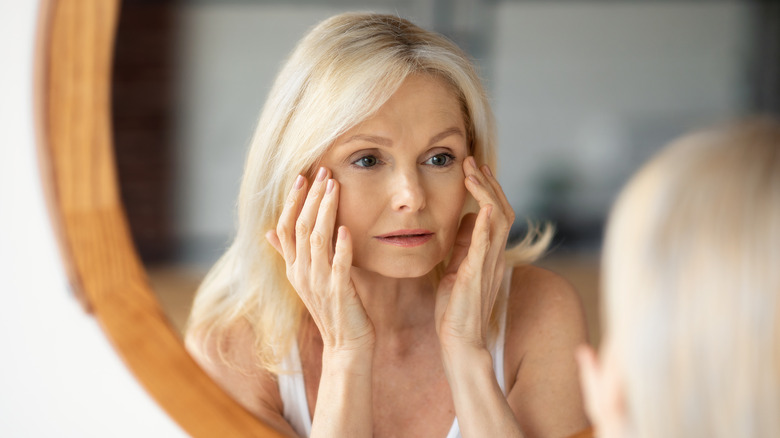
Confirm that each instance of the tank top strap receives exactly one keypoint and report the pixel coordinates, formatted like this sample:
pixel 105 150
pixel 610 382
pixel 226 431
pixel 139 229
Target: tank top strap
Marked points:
pixel 293 393
pixel 497 352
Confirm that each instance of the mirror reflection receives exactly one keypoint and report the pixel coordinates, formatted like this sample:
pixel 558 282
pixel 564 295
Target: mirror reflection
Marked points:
pixel 582 93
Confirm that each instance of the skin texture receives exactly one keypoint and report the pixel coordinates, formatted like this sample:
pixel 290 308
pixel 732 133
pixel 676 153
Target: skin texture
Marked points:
pixel 392 354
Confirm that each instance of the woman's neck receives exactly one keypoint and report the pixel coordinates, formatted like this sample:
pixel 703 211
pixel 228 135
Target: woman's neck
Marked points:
pixel 395 305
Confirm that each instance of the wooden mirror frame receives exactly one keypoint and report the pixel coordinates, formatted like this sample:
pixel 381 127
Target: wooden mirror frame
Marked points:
pixel 75 43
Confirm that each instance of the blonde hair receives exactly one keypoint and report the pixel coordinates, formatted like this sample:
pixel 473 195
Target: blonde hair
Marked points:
pixel 692 286
pixel 339 74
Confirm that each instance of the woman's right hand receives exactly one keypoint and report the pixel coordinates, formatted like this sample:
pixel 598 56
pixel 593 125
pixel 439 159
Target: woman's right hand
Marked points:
pixel 320 274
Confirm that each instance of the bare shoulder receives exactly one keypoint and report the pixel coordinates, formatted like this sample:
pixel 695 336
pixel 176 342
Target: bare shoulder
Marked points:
pixel 545 324
pixel 542 307
pixel 230 360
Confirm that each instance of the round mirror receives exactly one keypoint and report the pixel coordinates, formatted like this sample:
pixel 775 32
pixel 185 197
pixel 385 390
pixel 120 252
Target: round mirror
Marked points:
pixel 74 64
pixel 583 93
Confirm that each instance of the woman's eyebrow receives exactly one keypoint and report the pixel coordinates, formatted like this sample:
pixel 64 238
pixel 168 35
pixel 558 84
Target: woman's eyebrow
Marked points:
pixel 383 141
pixel 444 134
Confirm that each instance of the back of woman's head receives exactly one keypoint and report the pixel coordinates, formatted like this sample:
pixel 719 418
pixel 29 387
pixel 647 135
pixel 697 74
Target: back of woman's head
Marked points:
pixel 340 73
pixel 692 286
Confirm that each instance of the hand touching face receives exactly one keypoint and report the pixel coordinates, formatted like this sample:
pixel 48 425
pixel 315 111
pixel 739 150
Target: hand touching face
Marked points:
pixel 401 178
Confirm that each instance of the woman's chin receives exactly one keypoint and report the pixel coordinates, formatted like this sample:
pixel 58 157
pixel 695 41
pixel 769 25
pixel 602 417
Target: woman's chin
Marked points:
pixel 399 269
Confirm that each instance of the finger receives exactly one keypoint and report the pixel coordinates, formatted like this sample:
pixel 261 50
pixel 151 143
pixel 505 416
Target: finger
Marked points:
pixel 462 243
pixel 477 183
pixel 499 192
pixel 589 371
pixel 471 271
pixel 273 239
pixel 306 220
pixel 498 224
pixel 285 228
pixel 501 235
pixel 487 191
pixel 480 242
pixel 483 193
pixel 321 240
pixel 342 259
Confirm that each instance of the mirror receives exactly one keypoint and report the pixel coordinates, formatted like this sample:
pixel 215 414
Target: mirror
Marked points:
pixel 75 45
pixel 583 93
pixel 584 80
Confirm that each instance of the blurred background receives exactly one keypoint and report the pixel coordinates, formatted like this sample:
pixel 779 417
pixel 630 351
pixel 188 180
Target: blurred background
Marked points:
pixel 583 92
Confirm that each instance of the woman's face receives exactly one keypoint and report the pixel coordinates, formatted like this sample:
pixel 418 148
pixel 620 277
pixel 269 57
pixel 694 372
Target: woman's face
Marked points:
pixel 402 182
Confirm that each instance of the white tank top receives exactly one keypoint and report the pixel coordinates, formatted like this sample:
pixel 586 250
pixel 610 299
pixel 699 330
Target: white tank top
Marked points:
pixel 293 391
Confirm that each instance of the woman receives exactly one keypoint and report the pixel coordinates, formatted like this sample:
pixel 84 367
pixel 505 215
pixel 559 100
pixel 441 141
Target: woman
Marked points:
pixel 377 303
pixel 691 275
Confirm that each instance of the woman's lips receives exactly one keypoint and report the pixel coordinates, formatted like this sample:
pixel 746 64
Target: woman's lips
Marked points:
pixel 406 238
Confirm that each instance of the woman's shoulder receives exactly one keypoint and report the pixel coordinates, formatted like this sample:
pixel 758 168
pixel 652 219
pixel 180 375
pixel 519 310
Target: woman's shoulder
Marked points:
pixel 228 357
pixel 544 313
pixel 544 291
pixel 226 345
pixel 545 324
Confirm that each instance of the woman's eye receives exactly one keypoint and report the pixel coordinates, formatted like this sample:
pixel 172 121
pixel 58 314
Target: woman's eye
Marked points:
pixel 367 161
pixel 440 160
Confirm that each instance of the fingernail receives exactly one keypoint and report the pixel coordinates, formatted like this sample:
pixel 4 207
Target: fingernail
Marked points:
pixel 342 233
pixel 487 171
pixel 298 182
pixel 489 210
pixel 321 174
pixel 472 161
pixel 473 179
pixel 329 187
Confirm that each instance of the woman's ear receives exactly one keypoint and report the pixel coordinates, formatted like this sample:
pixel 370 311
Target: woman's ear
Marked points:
pixel 603 391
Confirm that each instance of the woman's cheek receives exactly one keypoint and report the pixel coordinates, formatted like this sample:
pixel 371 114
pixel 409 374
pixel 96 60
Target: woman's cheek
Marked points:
pixel 454 198
pixel 458 191
pixel 354 201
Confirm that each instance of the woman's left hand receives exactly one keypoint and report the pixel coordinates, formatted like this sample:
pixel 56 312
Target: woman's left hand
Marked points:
pixel 472 279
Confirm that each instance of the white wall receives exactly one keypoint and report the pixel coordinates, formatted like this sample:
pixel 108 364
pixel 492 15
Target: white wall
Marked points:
pixel 59 377
pixel 591 89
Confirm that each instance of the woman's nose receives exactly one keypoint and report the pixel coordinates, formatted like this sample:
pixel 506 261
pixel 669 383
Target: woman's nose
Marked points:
pixel 407 192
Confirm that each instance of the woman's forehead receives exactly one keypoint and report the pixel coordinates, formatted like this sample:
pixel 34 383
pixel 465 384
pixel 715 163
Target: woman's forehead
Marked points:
pixel 419 101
